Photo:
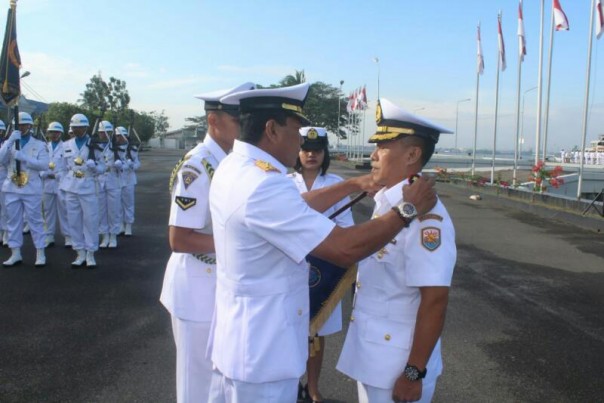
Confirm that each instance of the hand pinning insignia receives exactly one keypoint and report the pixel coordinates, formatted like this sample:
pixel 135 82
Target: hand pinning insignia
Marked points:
pixel 430 238
pixel 185 203
pixel 266 166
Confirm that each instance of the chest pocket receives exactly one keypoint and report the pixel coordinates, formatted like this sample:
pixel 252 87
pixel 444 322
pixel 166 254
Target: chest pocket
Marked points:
pixel 389 333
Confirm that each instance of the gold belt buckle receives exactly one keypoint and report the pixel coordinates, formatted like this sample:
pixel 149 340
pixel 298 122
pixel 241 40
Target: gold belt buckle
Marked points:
pixel 21 179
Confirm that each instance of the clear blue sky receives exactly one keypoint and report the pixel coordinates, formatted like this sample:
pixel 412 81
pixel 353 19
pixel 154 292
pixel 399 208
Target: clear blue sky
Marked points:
pixel 169 51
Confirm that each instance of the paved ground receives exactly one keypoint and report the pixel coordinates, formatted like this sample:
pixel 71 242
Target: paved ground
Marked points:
pixel 525 321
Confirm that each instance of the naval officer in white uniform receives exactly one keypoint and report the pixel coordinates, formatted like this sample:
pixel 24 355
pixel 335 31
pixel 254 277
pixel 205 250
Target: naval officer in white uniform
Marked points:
pixel 23 191
pixel 190 281
pixel 392 347
pixel 263 230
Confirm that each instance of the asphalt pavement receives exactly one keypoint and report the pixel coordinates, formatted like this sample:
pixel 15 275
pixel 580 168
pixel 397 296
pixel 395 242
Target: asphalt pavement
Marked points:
pixel 525 321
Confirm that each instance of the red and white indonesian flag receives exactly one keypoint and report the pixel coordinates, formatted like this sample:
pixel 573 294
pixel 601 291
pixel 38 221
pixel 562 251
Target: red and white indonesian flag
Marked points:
pixel 501 45
pixel 599 19
pixel 480 58
pixel 560 20
pixel 521 39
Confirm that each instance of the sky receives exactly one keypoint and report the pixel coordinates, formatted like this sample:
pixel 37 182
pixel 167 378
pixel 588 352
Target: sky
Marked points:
pixel 169 51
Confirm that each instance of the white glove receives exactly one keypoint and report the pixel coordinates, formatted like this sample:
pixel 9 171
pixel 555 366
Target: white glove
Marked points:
pixel 90 164
pixel 129 163
pixel 15 136
pixel 43 174
pixel 118 164
pixel 21 156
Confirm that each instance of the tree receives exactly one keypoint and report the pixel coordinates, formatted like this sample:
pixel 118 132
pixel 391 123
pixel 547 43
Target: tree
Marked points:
pixel 297 78
pixel 199 123
pixel 161 124
pixel 102 96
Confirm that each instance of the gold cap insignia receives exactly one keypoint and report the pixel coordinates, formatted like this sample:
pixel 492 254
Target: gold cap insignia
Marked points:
pixel 312 134
pixel 378 113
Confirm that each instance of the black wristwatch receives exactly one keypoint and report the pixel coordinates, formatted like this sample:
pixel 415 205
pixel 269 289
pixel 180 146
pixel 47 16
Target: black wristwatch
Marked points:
pixel 413 373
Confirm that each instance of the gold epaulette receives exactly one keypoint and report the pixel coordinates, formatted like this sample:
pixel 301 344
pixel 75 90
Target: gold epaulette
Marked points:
pixel 266 166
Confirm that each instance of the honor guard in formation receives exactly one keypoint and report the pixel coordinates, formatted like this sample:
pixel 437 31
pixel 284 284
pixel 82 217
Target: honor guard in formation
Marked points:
pixel 54 199
pixel 3 174
pixel 311 174
pixel 129 155
pixel 110 187
pixel 83 163
pixel 190 280
pixel 263 231
pixel 25 157
pixel 392 348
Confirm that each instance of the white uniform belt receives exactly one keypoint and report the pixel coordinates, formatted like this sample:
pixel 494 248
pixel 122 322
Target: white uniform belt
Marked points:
pixel 267 287
pixel 397 311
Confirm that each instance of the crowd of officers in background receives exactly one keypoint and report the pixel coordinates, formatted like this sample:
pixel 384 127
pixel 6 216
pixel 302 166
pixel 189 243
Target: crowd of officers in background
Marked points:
pixel 84 181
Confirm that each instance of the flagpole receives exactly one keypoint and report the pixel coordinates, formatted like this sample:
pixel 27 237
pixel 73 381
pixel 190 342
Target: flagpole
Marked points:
pixel 520 57
pixel 549 82
pixel 479 68
pixel 499 65
pixel 586 104
pixel 539 86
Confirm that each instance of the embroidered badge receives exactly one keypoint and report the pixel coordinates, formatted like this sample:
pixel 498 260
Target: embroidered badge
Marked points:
pixel 266 166
pixel 208 167
pixel 429 216
pixel 430 238
pixel 185 203
pixel 314 276
pixel 188 177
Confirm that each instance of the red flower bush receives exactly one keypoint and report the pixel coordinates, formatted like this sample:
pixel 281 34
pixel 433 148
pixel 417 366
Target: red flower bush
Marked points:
pixel 541 176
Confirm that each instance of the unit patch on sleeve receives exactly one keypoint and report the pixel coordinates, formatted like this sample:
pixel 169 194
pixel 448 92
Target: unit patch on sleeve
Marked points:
pixel 185 203
pixel 430 238
pixel 188 177
pixel 429 216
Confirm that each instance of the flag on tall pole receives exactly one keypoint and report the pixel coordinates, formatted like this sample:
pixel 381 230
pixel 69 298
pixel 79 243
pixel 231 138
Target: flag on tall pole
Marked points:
pixel 502 63
pixel 10 60
pixel 480 58
pixel 599 19
pixel 560 20
pixel 521 38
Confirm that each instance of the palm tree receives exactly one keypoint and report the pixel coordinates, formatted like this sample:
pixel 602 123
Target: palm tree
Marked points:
pixel 297 78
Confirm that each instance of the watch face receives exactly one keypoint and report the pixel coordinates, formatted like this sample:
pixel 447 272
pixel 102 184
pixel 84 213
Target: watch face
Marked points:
pixel 412 373
pixel 408 209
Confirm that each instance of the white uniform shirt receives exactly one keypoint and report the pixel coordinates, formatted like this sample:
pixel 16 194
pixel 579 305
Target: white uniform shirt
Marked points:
pixel 263 230
pixel 87 182
pixel 380 335
pixel 190 283
pixel 110 179
pixel 55 155
pixel 345 218
pixel 128 175
pixel 38 155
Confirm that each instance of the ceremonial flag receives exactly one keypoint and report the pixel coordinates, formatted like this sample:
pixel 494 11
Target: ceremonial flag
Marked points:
pixel 480 58
pixel 560 20
pixel 501 45
pixel 349 103
pixel 364 96
pixel 10 60
pixel 521 39
pixel 354 105
pixel 599 19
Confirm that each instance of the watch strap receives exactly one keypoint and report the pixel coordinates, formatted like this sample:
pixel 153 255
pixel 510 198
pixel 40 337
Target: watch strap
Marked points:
pixel 406 220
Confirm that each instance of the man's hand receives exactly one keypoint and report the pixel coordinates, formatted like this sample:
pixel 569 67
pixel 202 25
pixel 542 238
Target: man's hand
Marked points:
pixel 366 184
pixel 421 194
pixel 406 390
pixel 118 164
pixel 91 164
pixel 21 156
pixel 15 136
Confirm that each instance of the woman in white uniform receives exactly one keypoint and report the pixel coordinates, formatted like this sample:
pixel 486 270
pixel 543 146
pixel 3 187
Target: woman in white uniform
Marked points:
pixel 311 174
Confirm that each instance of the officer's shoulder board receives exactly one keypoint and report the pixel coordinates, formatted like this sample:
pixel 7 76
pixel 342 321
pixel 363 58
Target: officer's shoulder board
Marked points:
pixel 266 166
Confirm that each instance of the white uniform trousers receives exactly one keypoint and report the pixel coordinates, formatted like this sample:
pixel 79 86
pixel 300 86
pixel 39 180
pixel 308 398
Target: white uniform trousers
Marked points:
pixel 83 219
pixel 371 394
pixel 54 207
pixel 3 215
pixel 226 390
pixel 128 204
pixel 110 211
pixel 193 369
pixel 16 206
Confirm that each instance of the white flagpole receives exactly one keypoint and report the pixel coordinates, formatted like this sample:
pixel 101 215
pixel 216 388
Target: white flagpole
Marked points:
pixel 514 179
pixel 586 105
pixel 480 66
pixel 499 56
pixel 539 86
pixel 549 82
